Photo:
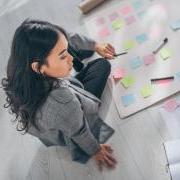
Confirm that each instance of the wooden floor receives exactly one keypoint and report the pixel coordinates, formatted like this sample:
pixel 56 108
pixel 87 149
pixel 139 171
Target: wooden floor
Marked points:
pixel 137 141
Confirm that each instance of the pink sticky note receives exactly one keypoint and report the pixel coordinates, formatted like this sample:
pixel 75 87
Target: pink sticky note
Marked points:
pixel 129 20
pixel 170 105
pixel 100 21
pixel 119 73
pixel 104 32
pixel 126 10
pixel 113 16
pixel 149 59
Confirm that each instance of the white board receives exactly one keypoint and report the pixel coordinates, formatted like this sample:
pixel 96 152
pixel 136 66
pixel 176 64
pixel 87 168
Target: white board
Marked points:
pixel 158 15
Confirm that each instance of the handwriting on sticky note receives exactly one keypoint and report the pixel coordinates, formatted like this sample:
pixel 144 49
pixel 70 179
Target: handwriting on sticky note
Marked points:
pixel 146 91
pixel 165 53
pixel 119 73
pixel 170 105
pixel 128 99
pixel 149 59
pixel 117 24
pixel 104 32
pixel 141 38
pixel 126 10
pixel 129 20
pixel 127 81
pixel 135 62
pixel 129 44
pixel 113 16
pixel 175 25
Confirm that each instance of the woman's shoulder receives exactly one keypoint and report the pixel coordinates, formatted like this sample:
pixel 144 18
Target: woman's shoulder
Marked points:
pixel 62 94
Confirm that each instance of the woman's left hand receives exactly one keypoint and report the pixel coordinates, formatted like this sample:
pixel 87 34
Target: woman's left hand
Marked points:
pixel 105 50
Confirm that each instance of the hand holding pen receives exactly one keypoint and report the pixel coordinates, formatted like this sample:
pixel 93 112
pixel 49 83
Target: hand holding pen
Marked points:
pixel 106 50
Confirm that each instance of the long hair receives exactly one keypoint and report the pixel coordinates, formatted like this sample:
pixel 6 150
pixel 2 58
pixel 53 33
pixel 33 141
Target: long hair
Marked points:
pixel 27 90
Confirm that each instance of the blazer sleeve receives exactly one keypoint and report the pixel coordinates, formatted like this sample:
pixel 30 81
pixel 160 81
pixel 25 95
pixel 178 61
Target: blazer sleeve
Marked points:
pixel 80 42
pixel 71 121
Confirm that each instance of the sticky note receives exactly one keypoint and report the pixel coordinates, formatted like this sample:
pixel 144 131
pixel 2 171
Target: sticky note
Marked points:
pixel 104 32
pixel 129 20
pixel 165 53
pixel 113 16
pixel 127 81
pixel 100 21
pixel 141 14
pixel 126 10
pixel 146 91
pixel 170 105
pixel 129 44
pixel 128 99
pixel 177 76
pixel 135 62
pixel 141 38
pixel 175 25
pixel 119 73
pixel 117 24
pixel 149 59
pixel 137 4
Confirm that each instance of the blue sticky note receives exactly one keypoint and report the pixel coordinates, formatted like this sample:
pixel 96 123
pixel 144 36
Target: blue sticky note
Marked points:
pixel 141 14
pixel 136 62
pixel 177 76
pixel 128 99
pixel 175 25
pixel 141 38
pixel 137 4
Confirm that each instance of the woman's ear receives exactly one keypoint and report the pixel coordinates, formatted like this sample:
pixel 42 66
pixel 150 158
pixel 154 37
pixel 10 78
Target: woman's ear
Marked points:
pixel 35 67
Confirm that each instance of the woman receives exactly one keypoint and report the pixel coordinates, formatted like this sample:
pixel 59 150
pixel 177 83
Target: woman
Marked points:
pixel 47 103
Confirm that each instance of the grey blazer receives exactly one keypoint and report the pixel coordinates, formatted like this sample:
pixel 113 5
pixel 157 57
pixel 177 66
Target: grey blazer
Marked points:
pixel 69 117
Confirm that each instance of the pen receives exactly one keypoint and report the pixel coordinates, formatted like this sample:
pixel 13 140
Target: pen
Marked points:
pixel 163 78
pixel 160 46
pixel 115 55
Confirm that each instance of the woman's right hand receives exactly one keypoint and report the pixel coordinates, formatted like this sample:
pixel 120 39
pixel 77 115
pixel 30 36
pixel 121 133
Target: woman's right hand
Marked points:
pixel 104 157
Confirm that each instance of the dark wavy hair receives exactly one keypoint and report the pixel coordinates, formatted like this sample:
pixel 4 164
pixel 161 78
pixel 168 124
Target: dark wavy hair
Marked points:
pixel 27 90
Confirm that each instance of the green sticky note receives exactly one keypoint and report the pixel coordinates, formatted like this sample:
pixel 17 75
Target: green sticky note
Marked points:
pixel 117 24
pixel 127 81
pixel 165 53
pixel 146 91
pixel 128 44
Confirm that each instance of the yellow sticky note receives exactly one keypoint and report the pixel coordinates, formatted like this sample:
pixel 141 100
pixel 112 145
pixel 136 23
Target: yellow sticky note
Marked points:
pixel 127 81
pixel 165 53
pixel 129 44
pixel 146 91
pixel 117 24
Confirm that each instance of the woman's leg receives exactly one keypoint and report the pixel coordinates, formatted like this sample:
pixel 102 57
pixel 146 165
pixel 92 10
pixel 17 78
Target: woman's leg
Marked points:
pixel 94 76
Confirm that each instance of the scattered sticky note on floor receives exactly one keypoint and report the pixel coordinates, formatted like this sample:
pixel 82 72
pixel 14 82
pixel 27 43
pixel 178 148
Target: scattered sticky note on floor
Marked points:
pixel 146 91
pixel 137 4
pixel 127 81
pixel 128 99
pixel 141 38
pixel 100 21
pixel 113 16
pixel 104 32
pixel 165 53
pixel 149 59
pixel 119 73
pixel 177 76
pixel 129 20
pixel 129 44
pixel 141 14
pixel 126 10
pixel 175 25
pixel 135 62
pixel 117 24
pixel 170 105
